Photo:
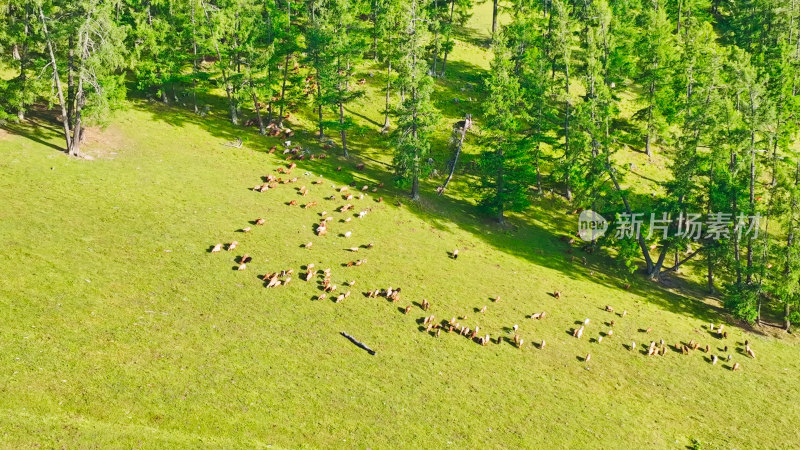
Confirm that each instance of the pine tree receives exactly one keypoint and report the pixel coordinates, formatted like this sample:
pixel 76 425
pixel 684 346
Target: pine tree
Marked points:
pixel 506 165
pixel 416 115
pixel 656 50
pixel 346 49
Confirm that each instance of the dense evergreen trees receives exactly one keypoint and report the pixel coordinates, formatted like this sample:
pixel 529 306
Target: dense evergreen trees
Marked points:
pixel 708 90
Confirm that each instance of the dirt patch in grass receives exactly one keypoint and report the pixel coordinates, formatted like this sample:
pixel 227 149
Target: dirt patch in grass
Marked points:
pixel 102 142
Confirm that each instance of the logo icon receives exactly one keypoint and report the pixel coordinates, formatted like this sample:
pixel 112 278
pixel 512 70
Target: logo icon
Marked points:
pixel 591 225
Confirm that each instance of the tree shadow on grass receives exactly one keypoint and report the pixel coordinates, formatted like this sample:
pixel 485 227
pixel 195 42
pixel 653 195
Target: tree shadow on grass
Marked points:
pixel 39 126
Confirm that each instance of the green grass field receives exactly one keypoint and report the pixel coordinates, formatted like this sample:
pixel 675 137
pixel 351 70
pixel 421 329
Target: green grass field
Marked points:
pixel 118 328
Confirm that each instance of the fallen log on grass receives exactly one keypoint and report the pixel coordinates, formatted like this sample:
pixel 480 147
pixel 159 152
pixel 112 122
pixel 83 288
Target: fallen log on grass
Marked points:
pixel 358 343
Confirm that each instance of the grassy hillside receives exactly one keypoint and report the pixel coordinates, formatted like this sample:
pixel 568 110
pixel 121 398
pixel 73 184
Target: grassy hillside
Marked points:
pixel 118 328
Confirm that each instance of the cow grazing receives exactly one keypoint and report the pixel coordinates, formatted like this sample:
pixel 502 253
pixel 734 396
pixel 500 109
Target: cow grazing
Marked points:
pixel 308 244
pixel 587 357
pixel 541 346
pixel 483 310
pixel 293 203
pixel 610 333
pixel 408 309
pixel 232 245
pixel 578 332
pixel 246 258
pixel 557 294
pixel 246 230
pixel 217 248
pixel 609 308
pixel 750 352
pixel 260 221
pixel 425 304
pixel 586 322
pixel 310 205
pixel 455 254
pixel 714 360
pixel 736 367
pixel 624 313
pixel 242 266
pixel 633 345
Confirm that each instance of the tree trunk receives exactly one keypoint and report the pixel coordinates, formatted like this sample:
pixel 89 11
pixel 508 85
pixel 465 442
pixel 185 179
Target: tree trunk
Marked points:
pixel 435 42
pixel 231 102
pixel 787 311
pixel 71 81
pixel 494 17
pixel 449 31
pixel 261 128
pixel 501 218
pixel 467 124
pixel 285 65
pixel 64 117
pixel 648 138
pixel 77 132
pixel 319 108
pixel 567 189
pixel 283 89
pixel 386 124
pixel 23 57
pixel 415 188
pixel 749 275
pixel 194 63
pixel 642 244
pixel 342 131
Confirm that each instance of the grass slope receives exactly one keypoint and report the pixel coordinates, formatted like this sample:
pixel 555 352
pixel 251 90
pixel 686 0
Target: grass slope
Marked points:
pixel 118 328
